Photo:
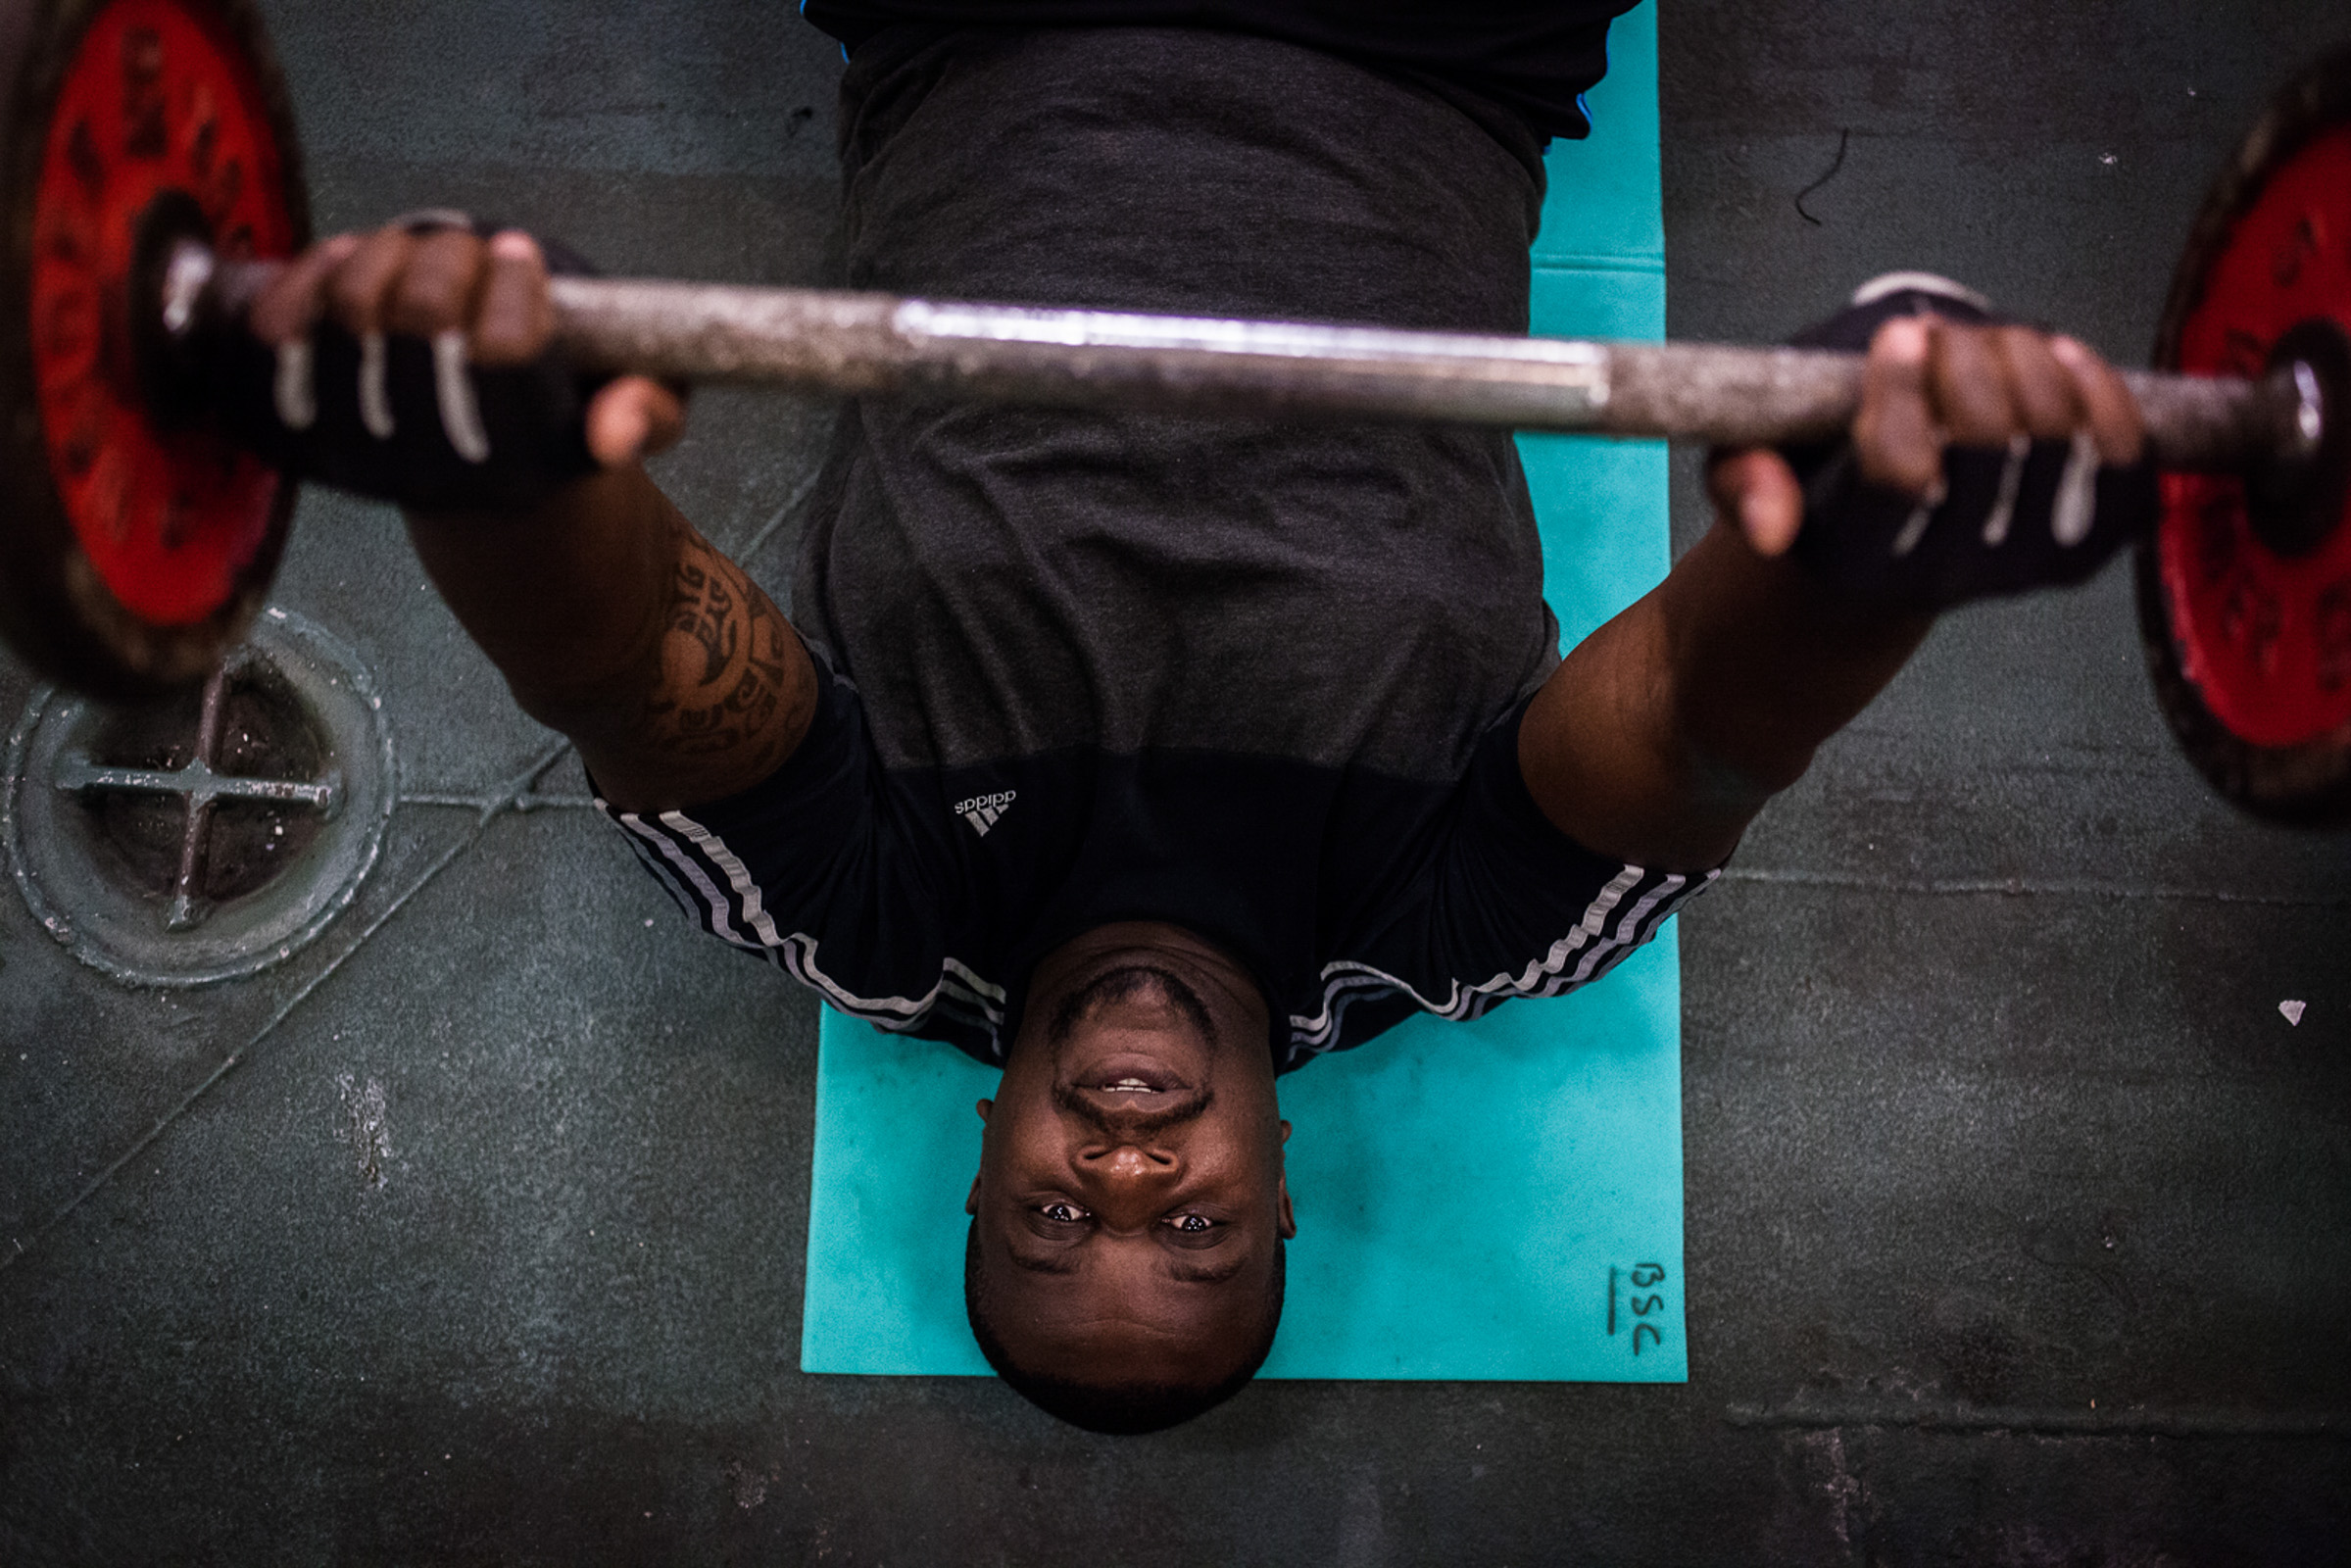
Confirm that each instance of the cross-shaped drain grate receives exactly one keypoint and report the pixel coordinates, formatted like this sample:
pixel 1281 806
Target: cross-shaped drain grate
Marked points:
pixel 200 787
pixel 209 837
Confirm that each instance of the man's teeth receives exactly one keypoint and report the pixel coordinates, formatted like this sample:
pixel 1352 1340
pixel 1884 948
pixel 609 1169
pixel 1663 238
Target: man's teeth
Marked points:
pixel 1128 1086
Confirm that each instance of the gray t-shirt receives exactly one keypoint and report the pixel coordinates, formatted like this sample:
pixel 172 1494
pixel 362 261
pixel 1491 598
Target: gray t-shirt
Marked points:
pixel 1263 681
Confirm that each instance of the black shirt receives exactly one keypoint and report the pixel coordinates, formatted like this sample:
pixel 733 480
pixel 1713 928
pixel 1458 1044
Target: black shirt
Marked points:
pixel 1263 682
pixel 1536 58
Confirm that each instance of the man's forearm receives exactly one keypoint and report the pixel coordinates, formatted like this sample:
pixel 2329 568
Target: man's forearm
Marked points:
pixel 615 622
pixel 1767 663
pixel 1711 694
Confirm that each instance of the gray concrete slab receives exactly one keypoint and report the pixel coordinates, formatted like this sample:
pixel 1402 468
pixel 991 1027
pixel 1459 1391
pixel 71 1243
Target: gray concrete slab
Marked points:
pixel 2017 1213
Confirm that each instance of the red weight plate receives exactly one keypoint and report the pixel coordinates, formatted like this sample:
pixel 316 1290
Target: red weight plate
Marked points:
pixel 156 97
pixel 2265 639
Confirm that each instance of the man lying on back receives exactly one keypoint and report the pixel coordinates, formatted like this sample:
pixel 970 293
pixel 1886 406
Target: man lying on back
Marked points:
pixel 1150 756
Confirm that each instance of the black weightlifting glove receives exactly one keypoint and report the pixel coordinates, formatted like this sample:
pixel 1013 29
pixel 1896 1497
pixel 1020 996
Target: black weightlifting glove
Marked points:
pixel 409 420
pixel 2040 514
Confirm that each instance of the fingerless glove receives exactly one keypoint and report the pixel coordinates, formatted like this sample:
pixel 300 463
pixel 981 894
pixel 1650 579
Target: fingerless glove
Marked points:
pixel 410 420
pixel 2039 513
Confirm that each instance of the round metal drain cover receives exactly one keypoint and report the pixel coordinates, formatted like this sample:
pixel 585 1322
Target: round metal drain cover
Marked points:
pixel 211 836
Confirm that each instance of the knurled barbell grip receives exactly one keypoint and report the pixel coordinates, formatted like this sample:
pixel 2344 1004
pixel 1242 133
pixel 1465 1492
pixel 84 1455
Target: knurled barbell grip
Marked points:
pixel 1711 393
pixel 838 341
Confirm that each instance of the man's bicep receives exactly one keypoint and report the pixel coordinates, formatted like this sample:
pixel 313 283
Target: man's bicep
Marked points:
pixel 712 693
pixel 722 699
pixel 615 621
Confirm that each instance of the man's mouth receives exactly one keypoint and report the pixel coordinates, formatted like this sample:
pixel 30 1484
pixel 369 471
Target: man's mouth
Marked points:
pixel 1130 1075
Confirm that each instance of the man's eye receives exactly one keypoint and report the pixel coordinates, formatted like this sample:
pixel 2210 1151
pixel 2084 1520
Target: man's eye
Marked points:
pixel 1061 1214
pixel 1192 1224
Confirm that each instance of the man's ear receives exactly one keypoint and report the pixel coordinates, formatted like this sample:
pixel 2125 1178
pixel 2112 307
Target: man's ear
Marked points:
pixel 1285 1132
pixel 971 1204
pixel 1281 1204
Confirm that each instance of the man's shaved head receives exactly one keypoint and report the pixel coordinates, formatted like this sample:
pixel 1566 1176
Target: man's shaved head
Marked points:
pixel 1119 1406
pixel 1124 1266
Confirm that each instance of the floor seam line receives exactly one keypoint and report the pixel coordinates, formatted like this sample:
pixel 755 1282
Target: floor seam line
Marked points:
pixel 2045 1420
pixel 2030 887
pixel 491 810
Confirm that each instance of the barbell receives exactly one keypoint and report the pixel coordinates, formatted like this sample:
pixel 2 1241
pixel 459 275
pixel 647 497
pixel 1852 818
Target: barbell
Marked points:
pixel 152 172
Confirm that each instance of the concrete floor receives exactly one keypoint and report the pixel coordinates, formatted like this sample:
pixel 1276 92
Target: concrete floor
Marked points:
pixel 489 1246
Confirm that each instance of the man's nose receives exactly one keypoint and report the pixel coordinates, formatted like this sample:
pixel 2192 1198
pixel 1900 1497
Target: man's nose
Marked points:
pixel 1131 1162
pixel 1128 1174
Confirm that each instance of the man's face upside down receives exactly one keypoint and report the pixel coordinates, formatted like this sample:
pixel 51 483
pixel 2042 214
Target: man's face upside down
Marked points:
pixel 1124 1266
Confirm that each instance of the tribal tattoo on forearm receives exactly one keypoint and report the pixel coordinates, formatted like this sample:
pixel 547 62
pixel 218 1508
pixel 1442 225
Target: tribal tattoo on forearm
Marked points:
pixel 725 674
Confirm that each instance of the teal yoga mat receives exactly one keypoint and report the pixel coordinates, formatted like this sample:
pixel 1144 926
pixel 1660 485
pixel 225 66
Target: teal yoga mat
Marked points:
pixel 1496 1200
